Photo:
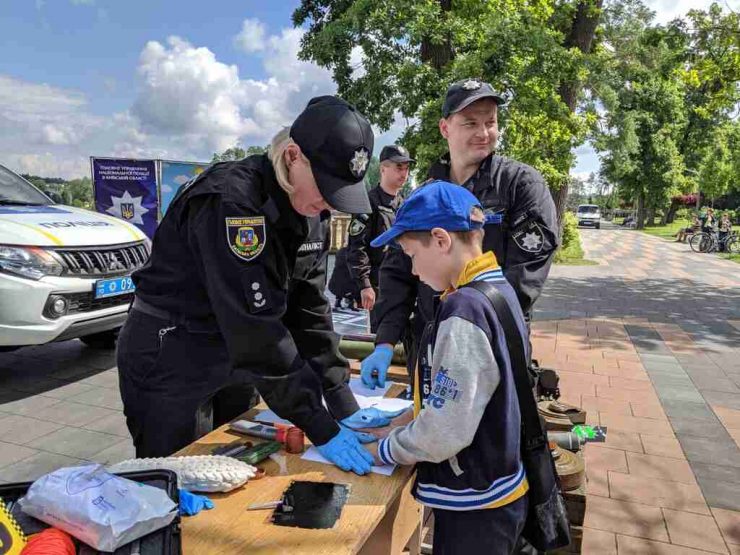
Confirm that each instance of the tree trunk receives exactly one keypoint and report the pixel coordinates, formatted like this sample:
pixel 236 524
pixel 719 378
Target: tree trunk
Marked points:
pixel 641 211
pixel 435 54
pixel 581 36
pixel 670 214
pixel 560 198
pixel 650 217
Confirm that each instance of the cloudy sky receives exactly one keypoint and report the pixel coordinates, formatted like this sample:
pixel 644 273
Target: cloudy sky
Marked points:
pixel 168 79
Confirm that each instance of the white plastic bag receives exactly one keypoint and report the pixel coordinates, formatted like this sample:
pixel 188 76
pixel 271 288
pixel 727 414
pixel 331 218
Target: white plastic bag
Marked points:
pixel 103 510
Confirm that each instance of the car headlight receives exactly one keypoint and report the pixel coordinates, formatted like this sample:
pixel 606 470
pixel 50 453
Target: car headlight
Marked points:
pixel 28 262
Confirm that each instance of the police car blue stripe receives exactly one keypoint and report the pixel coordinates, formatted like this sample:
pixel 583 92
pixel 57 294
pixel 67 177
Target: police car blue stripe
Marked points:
pixel 469 503
pixel 504 482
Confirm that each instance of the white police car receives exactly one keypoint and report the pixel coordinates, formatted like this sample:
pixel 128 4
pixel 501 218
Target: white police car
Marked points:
pixel 64 271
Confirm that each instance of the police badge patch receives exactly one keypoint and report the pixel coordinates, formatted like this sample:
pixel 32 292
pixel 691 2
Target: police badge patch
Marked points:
pixel 246 236
pixel 356 227
pixel 529 237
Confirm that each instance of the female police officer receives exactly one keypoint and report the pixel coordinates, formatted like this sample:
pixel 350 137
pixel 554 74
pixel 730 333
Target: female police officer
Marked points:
pixel 233 293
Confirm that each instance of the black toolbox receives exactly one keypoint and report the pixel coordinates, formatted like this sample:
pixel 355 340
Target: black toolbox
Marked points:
pixel 165 541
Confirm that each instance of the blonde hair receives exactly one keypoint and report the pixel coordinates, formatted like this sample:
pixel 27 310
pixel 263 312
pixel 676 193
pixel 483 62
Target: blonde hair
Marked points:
pixel 279 144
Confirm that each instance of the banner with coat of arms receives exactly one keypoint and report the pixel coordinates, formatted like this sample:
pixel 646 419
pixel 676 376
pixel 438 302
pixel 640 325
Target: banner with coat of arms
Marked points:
pixel 127 189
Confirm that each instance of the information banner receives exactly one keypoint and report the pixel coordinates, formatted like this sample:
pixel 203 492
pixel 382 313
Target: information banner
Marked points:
pixel 127 189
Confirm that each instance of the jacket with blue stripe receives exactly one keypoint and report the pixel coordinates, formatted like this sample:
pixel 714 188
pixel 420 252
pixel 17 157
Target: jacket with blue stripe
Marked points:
pixel 465 439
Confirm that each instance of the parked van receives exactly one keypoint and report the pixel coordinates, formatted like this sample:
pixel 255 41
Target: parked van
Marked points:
pixel 65 272
pixel 589 214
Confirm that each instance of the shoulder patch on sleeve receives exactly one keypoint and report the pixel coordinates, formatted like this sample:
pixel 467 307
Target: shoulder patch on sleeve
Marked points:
pixel 529 238
pixel 246 236
pixel 356 227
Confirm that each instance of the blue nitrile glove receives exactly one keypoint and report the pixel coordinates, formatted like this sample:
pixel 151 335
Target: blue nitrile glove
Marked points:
pixel 371 418
pixel 191 504
pixel 378 361
pixel 345 451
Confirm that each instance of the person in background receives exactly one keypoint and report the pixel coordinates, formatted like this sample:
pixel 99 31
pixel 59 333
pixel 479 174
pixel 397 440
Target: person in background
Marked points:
pixel 523 236
pixel 725 228
pixel 684 232
pixel 341 284
pixel 709 222
pixel 364 260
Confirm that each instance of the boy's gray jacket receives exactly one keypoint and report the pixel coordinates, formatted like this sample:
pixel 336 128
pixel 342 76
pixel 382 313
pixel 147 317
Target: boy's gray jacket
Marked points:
pixel 466 439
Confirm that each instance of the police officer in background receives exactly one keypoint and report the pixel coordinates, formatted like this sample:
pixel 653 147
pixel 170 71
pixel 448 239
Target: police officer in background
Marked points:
pixel 364 260
pixel 524 242
pixel 233 293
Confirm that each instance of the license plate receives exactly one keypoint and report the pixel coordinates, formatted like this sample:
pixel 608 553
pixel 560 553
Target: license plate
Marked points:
pixel 112 287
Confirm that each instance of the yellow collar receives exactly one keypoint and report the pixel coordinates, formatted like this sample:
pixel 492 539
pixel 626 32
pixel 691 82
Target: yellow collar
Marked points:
pixel 483 263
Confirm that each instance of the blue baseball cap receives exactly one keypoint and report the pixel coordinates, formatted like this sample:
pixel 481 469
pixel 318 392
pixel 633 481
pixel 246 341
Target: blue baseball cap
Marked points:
pixel 437 204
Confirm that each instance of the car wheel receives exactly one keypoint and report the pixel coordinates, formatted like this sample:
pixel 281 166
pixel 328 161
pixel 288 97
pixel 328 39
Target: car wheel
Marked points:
pixel 103 340
pixel 598 226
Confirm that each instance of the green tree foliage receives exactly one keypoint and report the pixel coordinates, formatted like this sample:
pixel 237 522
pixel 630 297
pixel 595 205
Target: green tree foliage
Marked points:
pixel 77 192
pixel 665 98
pixel 372 177
pixel 719 168
pixel 237 153
pixel 535 51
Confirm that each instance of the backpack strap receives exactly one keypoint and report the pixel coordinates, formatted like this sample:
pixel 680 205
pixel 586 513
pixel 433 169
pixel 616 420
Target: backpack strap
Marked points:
pixel 534 436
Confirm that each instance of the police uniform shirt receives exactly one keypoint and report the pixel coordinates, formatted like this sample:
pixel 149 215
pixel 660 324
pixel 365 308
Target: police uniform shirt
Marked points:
pixel 364 261
pixel 233 259
pixel 523 243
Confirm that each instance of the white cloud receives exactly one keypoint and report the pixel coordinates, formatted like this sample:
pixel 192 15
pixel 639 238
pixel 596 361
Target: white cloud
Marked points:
pixel 48 164
pixel 357 62
pixel 667 10
pixel 252 36
pixel 83 2
pixel 187 93
pixel 37 119
pixel 188 105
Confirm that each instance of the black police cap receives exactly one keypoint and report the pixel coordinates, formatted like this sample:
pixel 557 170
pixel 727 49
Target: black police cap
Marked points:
pixel 463 93
pixel 395 153
pixel 338 141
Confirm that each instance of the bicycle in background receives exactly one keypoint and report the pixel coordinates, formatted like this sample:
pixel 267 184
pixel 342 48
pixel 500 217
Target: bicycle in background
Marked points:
pixel 709 242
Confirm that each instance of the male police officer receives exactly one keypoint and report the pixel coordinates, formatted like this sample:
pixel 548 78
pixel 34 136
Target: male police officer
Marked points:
pixel 524 242
pixel 233 292
pixel 364 260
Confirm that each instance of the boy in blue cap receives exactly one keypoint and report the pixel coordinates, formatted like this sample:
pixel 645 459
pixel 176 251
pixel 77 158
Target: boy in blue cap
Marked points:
pixel 464 434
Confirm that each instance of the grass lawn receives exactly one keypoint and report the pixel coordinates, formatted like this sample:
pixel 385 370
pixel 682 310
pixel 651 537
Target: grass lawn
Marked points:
pixel 572 256
pixel 734 257
pixel 667 231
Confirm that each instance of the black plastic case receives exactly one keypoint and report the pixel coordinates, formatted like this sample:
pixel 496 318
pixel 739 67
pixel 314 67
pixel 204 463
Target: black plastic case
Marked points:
pixel 166 541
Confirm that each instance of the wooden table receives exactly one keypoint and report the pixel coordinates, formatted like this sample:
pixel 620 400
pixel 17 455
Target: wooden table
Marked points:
pixel 380 515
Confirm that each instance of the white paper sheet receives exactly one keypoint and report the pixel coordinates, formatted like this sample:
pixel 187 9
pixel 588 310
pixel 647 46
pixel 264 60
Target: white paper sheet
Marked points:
pixel 382 403
pixel 312 454
pixel 359 388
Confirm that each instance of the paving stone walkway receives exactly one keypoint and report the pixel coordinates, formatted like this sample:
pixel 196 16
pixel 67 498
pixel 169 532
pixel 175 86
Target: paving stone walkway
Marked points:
pixel 648 342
